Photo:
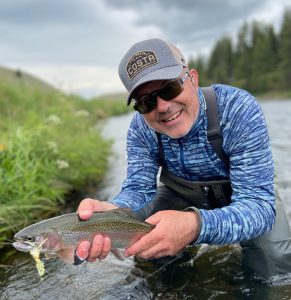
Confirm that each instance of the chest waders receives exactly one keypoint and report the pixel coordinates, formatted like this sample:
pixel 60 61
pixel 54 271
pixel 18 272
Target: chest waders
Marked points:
pixel 267 255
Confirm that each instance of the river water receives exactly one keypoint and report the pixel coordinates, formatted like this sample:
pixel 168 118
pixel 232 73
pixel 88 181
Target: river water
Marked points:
pixel 212 273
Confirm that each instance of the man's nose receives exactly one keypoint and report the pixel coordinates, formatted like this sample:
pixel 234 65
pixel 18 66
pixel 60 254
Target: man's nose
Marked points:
pixel 162 105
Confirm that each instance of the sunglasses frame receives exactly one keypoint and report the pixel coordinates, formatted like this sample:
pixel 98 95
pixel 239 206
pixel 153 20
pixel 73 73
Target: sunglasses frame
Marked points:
pixel 148 102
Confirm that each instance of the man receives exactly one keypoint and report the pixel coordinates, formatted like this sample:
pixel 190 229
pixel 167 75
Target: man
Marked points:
pixel 215 196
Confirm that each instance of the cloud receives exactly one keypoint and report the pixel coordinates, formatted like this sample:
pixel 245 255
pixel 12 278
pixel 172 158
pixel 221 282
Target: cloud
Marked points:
pixel 83 32
pixel 196 25
pixel 74 43
pixel 87 80
pixel 29 12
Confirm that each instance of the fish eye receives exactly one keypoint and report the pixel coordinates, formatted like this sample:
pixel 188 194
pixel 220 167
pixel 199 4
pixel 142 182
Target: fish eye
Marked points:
pixel 29 238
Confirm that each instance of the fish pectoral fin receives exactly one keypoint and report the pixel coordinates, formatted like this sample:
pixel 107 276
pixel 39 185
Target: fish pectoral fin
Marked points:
pixel 117 253
pixel 48 255
pixel 66 254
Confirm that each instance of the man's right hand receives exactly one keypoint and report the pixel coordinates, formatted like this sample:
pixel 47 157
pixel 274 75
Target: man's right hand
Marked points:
pixel 101 245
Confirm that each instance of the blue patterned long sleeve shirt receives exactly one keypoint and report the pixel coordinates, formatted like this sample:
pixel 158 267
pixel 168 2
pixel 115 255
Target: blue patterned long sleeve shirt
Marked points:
pixel 245 141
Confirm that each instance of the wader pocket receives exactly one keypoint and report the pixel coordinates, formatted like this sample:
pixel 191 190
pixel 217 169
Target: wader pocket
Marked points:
pixel 202 194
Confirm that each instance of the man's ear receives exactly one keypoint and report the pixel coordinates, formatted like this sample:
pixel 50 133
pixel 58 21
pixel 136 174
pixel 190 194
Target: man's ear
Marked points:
pixel 194 76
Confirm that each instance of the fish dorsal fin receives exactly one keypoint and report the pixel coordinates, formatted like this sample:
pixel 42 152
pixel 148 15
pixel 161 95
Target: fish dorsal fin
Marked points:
pixel 125 211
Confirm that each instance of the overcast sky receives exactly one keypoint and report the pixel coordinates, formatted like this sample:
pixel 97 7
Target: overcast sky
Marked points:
pixel 76 45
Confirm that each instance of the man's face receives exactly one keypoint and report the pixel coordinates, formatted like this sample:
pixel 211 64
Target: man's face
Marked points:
pixel 174 117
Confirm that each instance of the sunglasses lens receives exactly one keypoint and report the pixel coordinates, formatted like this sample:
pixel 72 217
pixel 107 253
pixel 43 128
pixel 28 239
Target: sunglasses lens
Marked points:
pixel 148 103
pixel 171 90
pixel 140 107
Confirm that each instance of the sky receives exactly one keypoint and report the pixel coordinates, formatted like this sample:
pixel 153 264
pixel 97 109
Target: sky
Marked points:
pixel 76 45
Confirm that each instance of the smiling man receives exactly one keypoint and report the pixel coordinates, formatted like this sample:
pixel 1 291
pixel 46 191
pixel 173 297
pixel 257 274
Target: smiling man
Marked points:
pixel 174 118
pixel 216 166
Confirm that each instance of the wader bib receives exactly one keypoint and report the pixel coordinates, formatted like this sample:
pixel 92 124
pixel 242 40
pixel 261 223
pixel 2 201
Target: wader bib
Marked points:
pixel 267 255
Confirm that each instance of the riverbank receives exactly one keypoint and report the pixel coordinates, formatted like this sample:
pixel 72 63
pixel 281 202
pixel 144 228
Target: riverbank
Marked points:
pixel 271 95
pixel 50 145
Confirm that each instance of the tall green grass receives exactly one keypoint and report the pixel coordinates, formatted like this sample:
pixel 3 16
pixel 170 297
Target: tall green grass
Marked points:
pixel 49 145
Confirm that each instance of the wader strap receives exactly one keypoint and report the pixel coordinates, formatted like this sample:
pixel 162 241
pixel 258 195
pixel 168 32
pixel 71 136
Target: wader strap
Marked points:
pixel 161 158
pixel 209 194
pixel 213 131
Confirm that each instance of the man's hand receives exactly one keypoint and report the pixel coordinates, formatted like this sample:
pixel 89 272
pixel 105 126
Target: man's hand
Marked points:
pixel 101 245
pixel 174 230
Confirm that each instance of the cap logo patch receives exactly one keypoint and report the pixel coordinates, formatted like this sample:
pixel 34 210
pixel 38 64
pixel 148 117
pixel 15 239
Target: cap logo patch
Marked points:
pixel 139 61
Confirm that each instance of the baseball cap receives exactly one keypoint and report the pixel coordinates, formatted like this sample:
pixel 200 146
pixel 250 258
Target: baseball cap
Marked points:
pixel 148 60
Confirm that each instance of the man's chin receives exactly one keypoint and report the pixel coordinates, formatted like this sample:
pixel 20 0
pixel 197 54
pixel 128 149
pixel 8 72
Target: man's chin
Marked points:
pixel 175 134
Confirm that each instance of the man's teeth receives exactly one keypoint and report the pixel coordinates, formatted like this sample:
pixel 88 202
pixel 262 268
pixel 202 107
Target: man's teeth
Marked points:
pixel 173 117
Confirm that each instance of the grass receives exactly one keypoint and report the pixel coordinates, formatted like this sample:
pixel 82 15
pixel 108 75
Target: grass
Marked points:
pixel 50 145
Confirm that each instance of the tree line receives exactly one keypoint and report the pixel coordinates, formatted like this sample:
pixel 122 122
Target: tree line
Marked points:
pixel 260 61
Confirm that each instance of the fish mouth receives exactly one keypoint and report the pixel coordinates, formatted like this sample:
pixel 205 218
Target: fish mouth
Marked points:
pixel 24 246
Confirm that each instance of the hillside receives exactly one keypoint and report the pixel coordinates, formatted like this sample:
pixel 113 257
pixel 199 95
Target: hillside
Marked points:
pixel 114 97
pixel 49 148
pixel 22 78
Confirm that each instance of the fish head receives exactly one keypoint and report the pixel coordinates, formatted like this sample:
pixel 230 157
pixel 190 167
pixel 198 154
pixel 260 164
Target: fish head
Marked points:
pixel 24 246
pixel 34 236
pixel 27 242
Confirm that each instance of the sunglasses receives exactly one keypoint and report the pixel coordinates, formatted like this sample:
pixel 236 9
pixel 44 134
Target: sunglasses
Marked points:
pixel 169 91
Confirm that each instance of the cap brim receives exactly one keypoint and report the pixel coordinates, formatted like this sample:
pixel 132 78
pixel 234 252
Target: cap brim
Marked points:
pixel 167 73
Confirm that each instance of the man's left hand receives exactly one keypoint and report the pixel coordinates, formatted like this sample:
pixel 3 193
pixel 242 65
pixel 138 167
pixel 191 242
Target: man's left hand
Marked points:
pixel 173 232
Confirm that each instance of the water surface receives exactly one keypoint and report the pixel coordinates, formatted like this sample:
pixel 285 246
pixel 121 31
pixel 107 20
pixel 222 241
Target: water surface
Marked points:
pixel 213 273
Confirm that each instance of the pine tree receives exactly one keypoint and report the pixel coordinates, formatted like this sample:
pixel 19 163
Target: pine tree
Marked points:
pixel 200 65
pixel 220 63
pixel 242 59
pixel 285 50
pixel 264 57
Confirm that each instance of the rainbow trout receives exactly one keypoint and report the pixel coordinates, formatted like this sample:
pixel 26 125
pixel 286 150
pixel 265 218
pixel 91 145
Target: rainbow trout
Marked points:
pixel 59 236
